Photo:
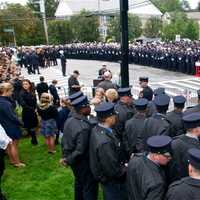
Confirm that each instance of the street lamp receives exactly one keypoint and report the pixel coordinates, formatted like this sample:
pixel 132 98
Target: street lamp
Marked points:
pixel 124 43
pixel 43 12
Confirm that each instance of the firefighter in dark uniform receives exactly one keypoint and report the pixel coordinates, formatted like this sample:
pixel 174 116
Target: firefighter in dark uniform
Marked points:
pixel 187 188
pixel 105 149
pixel 195 108
pixel 71 99
pixel 151 105
pixel 158 123
pixel 183 143
pixel 75 148
pixel 134 126
pixel 147 91
pixel 125 110
pixel 146 175
pixel 159 91
pixel 175 116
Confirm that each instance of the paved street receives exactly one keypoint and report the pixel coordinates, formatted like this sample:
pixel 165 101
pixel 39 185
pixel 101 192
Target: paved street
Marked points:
pixel 175 83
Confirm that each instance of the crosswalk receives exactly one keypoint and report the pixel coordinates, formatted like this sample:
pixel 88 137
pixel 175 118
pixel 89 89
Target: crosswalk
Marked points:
pixel 186 87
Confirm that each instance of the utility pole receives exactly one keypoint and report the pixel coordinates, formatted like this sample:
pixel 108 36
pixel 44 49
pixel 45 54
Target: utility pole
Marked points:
pixel 124 43
pixel 43 12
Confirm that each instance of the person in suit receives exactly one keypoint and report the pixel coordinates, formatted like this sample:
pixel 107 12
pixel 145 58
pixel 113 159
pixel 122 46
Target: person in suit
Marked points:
pixel 35 62
pixel 42 87
pixel 63 62
pixel 73 83
pixel 53 91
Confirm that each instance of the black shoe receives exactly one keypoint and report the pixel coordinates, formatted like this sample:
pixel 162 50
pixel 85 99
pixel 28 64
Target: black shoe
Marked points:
pixel 34 142
pixel 56 142
pixel 2 197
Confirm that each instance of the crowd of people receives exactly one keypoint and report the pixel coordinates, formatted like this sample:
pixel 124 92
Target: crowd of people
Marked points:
pixel 173 56
pixel 134 148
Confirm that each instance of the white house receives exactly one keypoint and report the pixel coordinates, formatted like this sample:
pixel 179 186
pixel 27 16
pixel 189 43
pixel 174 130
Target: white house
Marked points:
pixel 106 8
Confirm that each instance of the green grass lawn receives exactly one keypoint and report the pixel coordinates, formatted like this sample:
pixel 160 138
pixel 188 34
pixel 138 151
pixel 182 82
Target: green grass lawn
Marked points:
pixel 42 179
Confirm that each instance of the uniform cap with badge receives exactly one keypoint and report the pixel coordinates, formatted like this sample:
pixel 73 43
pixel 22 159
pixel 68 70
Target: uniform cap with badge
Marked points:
pixel 179 101
pixel 75 96
pixel 124 92
pixel 160 144
pixel 162 102
pixel 194 157
pixel 159 91
pixel 141 104
pixel 105 109
pixel 191 120
pixel 80 102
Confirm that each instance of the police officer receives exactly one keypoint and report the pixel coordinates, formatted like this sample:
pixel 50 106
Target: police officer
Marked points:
pixel 189 187
pixel 183 143
pixel 105 149
pixel 158 123
pixel 35 62
pixel 63 62
pixel 134 127
pixel 145 175
pixel 175 116
pixel 75 147
pixel 159 91
pixel 147 92
pixel 151 105
pixel 195 108
pixel 125 110
pixel 72 98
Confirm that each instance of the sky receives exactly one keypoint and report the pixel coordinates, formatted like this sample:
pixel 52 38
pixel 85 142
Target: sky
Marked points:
pixel 193 3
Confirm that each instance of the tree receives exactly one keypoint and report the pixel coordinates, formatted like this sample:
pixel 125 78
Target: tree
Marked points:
pixel 85 27
pixel 24 23
pixel 180 25
pixel 176 27
pixel 60 32
pixel 134 23
pixel 50 6
pixel 135 27
pixel 168 5
pixel 114 28
pixel 192 30
pixel 153 27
